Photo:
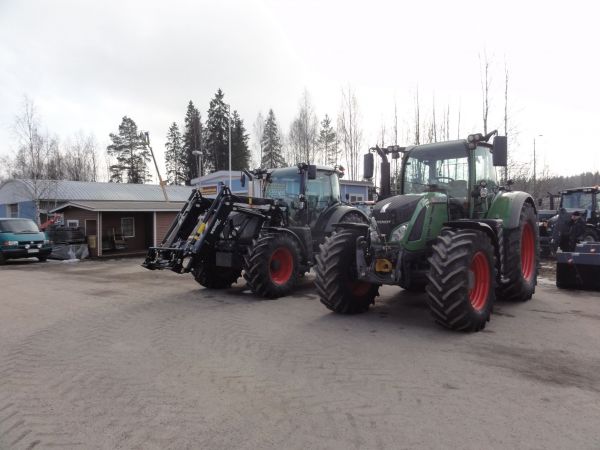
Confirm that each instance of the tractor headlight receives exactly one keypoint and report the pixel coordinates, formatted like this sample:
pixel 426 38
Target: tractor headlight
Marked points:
pixel 399 232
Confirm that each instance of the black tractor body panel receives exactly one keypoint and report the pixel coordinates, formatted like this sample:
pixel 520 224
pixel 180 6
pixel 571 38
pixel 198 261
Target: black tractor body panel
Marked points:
pixel 393 211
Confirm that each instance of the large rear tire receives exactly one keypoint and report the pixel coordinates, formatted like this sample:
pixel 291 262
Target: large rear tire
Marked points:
pixel 336 276
pixel 461 280
pixel 213 277
pixel 522 259
pixel 272 265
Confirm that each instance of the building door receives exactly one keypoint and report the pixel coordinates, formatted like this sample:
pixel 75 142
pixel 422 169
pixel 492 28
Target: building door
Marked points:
pixel 91 229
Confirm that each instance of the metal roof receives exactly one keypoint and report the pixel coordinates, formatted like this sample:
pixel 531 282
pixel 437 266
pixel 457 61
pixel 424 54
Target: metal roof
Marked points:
pixel 121 206
pixel 84 190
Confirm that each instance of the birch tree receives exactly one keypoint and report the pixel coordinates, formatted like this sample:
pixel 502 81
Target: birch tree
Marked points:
pixel 350 131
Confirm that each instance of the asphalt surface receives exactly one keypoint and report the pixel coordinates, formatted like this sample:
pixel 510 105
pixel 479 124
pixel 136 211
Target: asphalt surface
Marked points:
pixel 109 355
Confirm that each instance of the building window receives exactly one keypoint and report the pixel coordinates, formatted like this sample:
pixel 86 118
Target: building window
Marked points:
pixel 72 223
pixel 13 210
pixel 353 198
pixel 127 227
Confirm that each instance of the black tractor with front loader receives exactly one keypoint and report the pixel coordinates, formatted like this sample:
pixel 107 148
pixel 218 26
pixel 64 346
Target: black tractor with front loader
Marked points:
pixel 453 232
pixel 272 237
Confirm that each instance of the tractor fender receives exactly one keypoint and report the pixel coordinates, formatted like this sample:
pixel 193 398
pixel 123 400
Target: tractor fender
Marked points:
pixel 306 253
pixel 334 216
pixel 492 228
pixel 507 207
pixel 487 226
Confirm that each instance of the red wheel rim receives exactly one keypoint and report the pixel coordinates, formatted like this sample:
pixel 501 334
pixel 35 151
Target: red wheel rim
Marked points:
pixel 281 265
pixel 480 270
pixel 527 252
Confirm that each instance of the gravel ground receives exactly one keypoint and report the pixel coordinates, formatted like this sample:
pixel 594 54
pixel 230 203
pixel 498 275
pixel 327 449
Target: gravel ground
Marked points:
pixel 109 355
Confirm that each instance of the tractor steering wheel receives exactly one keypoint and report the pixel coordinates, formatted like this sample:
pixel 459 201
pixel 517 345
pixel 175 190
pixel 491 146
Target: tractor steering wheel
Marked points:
pixel 450 180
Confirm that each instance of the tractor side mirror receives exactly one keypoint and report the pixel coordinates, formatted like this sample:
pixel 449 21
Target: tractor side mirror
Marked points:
pixel 243 180
pixel 312 172
pixel 500 151
pixel 368 164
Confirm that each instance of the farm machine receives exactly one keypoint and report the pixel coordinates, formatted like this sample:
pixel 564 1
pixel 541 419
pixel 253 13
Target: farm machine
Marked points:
pixel 554 226
pixel 272 236
pixel 452 232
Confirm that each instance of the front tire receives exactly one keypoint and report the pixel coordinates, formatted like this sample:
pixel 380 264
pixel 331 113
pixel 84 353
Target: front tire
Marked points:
pixel 272 265
pixel 336 276
pixel 522 259
pixel 461 280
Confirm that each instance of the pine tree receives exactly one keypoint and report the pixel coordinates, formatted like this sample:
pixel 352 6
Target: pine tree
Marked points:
pixel 192 141
pixel 132 156
pixel 271 143
pixel 217 145
pixel 328 142
pixel 240 153
pixel 175 157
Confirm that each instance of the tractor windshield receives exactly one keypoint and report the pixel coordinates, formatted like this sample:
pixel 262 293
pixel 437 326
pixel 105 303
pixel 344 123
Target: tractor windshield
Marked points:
pixel 577 200
pixel 284 185
pixel 440 166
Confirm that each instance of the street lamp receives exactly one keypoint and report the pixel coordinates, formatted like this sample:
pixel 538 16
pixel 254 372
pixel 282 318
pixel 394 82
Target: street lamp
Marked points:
pixel 534 168
pixel 198 153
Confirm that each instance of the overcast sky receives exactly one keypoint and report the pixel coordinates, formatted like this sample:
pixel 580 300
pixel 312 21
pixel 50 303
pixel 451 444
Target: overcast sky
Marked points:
pixel 86 64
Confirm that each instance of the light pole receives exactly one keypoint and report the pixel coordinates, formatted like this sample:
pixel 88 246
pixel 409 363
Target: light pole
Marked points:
pixel 534 168
pixel 198 154
pixel 229 123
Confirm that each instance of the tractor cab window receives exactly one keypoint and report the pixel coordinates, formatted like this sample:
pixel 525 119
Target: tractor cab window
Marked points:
pixel 284 185
pixel 577 200
pixel 484 166
pixel 322 192
pixel 443 172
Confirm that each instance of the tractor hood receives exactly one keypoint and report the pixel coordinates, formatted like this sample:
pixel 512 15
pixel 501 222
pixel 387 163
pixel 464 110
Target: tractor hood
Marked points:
pixel 393 211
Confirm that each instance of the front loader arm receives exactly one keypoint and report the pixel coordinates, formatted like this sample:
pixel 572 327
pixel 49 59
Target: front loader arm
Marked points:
pixel 197 228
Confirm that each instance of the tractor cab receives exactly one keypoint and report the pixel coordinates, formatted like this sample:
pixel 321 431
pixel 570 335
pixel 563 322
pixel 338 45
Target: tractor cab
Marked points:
pixel 584 200
pixel 465 175
pixel 307 191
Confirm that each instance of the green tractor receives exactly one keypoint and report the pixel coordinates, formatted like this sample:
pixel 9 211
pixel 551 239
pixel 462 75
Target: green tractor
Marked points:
pixel 452 232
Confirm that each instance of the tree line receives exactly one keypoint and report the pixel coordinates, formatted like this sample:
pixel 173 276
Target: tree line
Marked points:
pixel 197 146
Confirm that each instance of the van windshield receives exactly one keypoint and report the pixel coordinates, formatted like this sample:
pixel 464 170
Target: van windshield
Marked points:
pixel 18 226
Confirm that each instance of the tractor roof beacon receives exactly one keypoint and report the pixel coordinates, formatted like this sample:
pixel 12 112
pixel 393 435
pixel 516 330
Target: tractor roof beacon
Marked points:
pixel 452 231
pixel 272 235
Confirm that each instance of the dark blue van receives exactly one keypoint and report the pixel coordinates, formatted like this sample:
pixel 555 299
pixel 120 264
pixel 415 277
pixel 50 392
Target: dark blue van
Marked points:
pixel 21 238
